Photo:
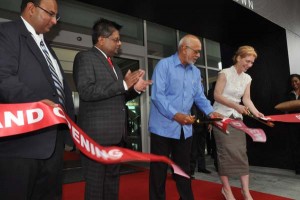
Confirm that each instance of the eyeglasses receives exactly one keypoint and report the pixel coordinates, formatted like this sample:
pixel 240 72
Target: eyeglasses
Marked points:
pixel 51 14
pixel 116 40
pixel 195 51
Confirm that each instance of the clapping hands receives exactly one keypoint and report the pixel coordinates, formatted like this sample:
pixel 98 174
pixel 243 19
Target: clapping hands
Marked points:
pixel 136 79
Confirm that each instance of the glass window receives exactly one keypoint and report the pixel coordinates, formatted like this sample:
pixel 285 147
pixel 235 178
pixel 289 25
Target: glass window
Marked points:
pixel 213 53
pixel 212 77
pixel 66 59
pixel 86 15
pixel 203 76
pixel 11 5
pixel 151 65
pixel 161 40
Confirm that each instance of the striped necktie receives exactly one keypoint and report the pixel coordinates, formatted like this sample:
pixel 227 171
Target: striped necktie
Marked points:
pixel 57 82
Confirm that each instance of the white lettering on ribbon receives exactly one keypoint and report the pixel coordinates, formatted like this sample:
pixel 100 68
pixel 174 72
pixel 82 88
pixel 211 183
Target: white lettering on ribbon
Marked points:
pixel 33 116
pixel 89 146
pixel 10 117
pixel 60 113
pixel 115 154
pixel 30 115
pixel 256 135
pixel 236 123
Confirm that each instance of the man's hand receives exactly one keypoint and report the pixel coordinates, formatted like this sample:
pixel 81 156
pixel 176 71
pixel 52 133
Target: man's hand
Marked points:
pixel 184 119
pixel 142 84
pixel 132 77
pixel 49 102
pixel 215 115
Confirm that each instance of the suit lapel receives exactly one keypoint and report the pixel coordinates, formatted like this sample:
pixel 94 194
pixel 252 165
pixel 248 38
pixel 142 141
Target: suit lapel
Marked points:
pixel 37 53
pixel 105 63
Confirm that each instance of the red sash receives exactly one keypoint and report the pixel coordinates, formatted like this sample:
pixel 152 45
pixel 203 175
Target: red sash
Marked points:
pixel 257 135
pixel 289 118
pixel 16 119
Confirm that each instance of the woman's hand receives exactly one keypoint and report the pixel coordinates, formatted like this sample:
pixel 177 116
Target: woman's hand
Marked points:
pixel 259 114
pixel 242 109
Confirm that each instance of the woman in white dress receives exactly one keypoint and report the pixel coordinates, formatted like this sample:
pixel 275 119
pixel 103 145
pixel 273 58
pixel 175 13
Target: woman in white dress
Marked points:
pixel 232 87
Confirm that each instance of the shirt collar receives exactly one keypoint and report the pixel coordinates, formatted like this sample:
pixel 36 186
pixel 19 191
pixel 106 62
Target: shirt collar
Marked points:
pixel 178 63
pixel 101 52
pixel 38 37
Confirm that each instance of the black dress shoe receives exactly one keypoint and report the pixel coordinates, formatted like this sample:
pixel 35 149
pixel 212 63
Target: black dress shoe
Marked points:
pixel 297 172
pixel 204 171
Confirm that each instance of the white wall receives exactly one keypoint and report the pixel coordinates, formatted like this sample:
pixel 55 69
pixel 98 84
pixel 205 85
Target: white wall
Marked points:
pixel 293 43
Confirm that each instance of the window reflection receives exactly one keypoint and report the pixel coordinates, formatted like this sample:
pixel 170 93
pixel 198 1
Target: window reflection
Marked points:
pixel 161 40
pixel 212 77
pixel 213 53
pixel 203 76
pixel 151 65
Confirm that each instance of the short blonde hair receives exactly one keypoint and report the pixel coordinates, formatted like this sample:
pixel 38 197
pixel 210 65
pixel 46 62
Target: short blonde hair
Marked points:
pixel 244 51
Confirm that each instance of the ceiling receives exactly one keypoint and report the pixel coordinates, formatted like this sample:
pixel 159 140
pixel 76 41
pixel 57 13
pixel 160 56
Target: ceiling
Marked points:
pixel 223 20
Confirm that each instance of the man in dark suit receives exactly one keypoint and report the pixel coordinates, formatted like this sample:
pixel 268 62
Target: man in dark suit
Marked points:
pixel 31 164
pixel 103 93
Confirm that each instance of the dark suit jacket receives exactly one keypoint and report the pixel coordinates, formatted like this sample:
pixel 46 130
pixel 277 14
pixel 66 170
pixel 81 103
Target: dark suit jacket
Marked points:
pixel 25 77
pixel 102 112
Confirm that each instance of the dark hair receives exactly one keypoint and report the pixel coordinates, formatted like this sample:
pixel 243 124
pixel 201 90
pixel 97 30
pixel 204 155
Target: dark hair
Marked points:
pixel 290 81
pixel 104 28
pixel 25 2
pixel 294 76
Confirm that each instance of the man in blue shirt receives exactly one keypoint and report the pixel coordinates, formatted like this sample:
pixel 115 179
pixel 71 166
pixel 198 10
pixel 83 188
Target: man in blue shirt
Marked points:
pixel 176 86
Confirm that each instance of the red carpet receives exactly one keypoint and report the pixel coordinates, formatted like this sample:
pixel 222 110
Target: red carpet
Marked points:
pixel 74 155
pixel 135 187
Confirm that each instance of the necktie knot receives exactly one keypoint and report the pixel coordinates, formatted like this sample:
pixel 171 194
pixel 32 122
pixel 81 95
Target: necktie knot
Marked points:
pixel 110 62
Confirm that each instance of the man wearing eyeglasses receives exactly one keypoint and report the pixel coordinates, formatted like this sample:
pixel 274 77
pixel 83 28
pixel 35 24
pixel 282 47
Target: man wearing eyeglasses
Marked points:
pixel 31 164
pixel 176 86
pixel 103 92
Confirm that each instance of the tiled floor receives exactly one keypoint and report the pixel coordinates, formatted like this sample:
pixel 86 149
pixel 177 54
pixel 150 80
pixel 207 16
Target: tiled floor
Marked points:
pixel 279 182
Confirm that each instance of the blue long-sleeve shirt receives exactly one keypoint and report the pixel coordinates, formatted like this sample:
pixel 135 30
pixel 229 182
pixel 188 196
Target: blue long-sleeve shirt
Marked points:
pixel 175 87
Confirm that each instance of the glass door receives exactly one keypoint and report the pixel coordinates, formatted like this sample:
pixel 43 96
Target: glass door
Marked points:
pixel 133 107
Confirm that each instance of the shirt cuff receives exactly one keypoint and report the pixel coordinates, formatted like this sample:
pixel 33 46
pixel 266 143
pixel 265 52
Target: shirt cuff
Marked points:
pixel 125 85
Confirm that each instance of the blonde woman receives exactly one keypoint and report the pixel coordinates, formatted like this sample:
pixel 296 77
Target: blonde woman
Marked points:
pixel 232 87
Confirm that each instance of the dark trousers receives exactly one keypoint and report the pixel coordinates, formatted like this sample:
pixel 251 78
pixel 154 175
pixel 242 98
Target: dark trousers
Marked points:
pixel 102 180
pixel 32 179
pixel 198 150
pixel 295 145
pixel 180 154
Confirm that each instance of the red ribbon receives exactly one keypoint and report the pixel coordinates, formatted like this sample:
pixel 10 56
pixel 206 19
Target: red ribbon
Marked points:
pixel 16 119
pixel 289 118
pixel 257 135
